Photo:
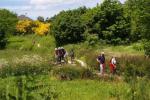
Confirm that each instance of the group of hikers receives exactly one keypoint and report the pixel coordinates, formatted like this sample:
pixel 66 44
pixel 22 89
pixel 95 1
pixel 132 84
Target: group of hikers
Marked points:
pixel 61 55
pixel 112 64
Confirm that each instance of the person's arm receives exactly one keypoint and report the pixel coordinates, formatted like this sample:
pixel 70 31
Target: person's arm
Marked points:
pixel 98 60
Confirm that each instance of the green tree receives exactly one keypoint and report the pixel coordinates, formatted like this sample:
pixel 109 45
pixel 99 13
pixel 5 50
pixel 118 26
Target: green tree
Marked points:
pixel 40 18
pixel 145 18
pixel 139 12
pixel 67 26
pixel 108 21
pixel 8 22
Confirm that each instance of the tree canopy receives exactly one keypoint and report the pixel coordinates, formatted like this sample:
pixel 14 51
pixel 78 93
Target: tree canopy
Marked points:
pixel 8 22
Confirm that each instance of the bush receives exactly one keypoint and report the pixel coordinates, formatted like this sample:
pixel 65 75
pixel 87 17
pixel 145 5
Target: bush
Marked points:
pixel 134 66
pixel 70 73
pixel 91 57
pixel 8 21
pixel 3 40
pixel 67 26
pixel 138 46
pixel 27 88
pixel 67 73
pixel 87 74
pixel 147 48
pixel 92 39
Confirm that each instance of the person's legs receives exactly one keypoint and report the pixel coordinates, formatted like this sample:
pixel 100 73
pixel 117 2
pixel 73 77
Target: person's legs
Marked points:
pixel 101 69
pixel 111 68
pixel 114 70
pixel 59 59
pixel 56 59
pixel 66 59
pixel 72 59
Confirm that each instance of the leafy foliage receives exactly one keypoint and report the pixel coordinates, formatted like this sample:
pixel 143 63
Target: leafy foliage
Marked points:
pixel 107 20
pixel 41 28
pixel 147 48
pixel 110 23
pixel 27 27
pixel 40 18
pixel 7 25
pixel 24 27
pixel 138 10
pixel 67 26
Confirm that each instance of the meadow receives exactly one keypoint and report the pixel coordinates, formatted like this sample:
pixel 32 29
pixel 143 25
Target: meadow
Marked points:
pixel 28 69
pixel 30 73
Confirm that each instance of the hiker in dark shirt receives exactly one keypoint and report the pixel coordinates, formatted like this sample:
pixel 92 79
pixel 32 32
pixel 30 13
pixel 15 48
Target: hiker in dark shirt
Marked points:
pixel 65 54
pixel 59 55
pixel 101 60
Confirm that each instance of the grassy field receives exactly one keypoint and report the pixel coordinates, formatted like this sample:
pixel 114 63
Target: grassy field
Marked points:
pixel 44 46
pixel 77 89
pixel 31 76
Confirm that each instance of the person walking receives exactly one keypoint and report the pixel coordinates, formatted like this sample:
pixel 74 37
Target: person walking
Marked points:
pixel 112 65
pixel 101 60
pixel 59 55
pixel 72 55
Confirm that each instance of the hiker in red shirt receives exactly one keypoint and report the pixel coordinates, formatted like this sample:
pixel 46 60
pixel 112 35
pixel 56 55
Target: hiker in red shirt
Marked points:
pixel 112 65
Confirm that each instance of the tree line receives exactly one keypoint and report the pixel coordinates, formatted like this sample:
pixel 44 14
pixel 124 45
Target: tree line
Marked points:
pixel 111 22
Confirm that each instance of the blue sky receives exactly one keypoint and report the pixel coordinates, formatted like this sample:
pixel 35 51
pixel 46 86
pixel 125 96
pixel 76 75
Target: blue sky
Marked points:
pixel 45 8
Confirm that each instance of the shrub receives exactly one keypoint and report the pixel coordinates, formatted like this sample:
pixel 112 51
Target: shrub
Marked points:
pixel 134 66
pixel 74 72
pixel 27 88
pixel 67 73
pixel 92 39
pixel 67 26
pixel 147 48
pixel 7 25
pixel 138 46
pixel 3 40
pixel 87 74
pixel 91 59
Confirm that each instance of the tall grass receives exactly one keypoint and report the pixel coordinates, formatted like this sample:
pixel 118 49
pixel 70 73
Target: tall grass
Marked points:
pixel 42 86
pixel 26 65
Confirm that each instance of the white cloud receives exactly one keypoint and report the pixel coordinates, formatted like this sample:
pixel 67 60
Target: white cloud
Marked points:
pixel 23 8
pixel 52 2
pixel 44 2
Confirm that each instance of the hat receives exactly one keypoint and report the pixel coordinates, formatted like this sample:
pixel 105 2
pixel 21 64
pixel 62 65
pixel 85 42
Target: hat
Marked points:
pixel 102 52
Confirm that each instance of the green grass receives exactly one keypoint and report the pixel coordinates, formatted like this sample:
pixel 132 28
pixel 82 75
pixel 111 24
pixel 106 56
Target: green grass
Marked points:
pixel 77 89
pixel 23 45
pixel 70 90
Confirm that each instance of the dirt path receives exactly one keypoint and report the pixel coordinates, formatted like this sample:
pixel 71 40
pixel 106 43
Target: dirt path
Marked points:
pixel 82 63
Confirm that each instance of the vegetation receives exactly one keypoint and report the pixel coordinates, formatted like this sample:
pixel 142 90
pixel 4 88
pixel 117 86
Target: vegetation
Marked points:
pixel 8 21
pixel 25 27
pixel 67 26
pixel 27 62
